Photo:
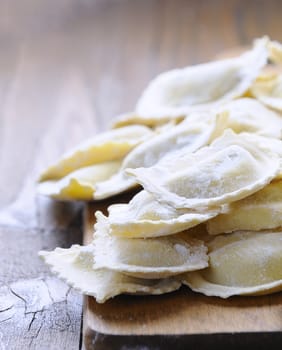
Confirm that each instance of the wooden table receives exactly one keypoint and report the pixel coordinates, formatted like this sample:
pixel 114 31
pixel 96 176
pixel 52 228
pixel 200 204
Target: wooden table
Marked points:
pixel 66 69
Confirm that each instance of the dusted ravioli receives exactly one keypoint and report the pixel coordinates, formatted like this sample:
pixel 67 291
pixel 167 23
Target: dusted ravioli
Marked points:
pixel 242 263
pixel 203 86
pixel 249 115
pixel 187 137
pixel 153 122
pixel 269 91
pixel 104 147
pixel 231 168
pixel 145 217
pixel 75 266
pixel 275 51
pixel 260 211
pixel 80 184
pixel 147 258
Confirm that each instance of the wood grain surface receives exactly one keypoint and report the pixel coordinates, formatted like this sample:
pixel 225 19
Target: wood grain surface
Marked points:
pixel 67 67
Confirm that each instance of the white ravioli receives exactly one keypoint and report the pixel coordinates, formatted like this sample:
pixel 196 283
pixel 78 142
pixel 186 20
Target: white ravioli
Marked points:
pixel 231 168
pixel 75 266
pixel 269 91
pixel 151 258
pixel 242 263
pixel 187 137
pixel 260 211
pixel 145 217
pixel 203 86
pixel 104 147
pixel 249 115
pixel 79 184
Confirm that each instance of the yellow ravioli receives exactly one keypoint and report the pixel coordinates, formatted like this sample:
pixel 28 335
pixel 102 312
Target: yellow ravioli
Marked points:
pixel 104 147
pixel 260 211
pixel 269 91
pixel 80 184
pixel 75 266
pixel 242 263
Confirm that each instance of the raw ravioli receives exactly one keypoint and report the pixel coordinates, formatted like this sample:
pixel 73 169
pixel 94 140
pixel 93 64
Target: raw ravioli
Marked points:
pixel 104 147
pixel 75 266
pixel 260 211
pixel 151 258
pixel 242 263
pixel 80 184
pixel 269 91
pixel 180 91
pixel 249 115
pixel 145 217
pixel 231 168
pixel 188 136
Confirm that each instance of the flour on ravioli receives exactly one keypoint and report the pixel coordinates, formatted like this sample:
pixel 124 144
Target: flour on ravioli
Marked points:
pixel 231 168
pixel 188 136
pixel 250 115
pixel 75 266
pixel 151 258
pixel 242 263
pixel 145 217
pixel 79 184
pixel 269 91
pixel 203 86
pixel 108 146
pixel 260 211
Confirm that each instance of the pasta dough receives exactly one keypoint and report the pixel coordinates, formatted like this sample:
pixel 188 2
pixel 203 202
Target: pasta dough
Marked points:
pixel 242 263
pixel 79 184
pixel 147 258
pixel 203 86
pixel 260 211
pixel 231 168
pixel 249 115
pixel 75 266
pixel 186 137
pixel 269 91
pixel 145 217
pixel 107 146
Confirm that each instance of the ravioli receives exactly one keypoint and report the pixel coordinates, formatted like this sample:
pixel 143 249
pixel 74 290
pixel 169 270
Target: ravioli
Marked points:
pixel 108 146
pixel 231 168
pixel 79 184
pixel 205 143
pixel 75 266
pixel 200 87
pixel 242 263
pixel 275 51
pixel 144 217
pixel 188 136
pixel 249 115
pixel 152 122
pixel 260 211
pixel 151 258
pixel 269 91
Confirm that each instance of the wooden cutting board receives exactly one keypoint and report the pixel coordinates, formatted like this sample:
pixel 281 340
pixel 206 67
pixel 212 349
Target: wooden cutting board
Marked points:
pixel 184 317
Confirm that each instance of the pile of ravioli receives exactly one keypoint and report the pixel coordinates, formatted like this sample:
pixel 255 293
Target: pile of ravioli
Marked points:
pixel 203 152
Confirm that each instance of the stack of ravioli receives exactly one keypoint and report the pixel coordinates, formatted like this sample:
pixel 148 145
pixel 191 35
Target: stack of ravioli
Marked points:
pixel 203 148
